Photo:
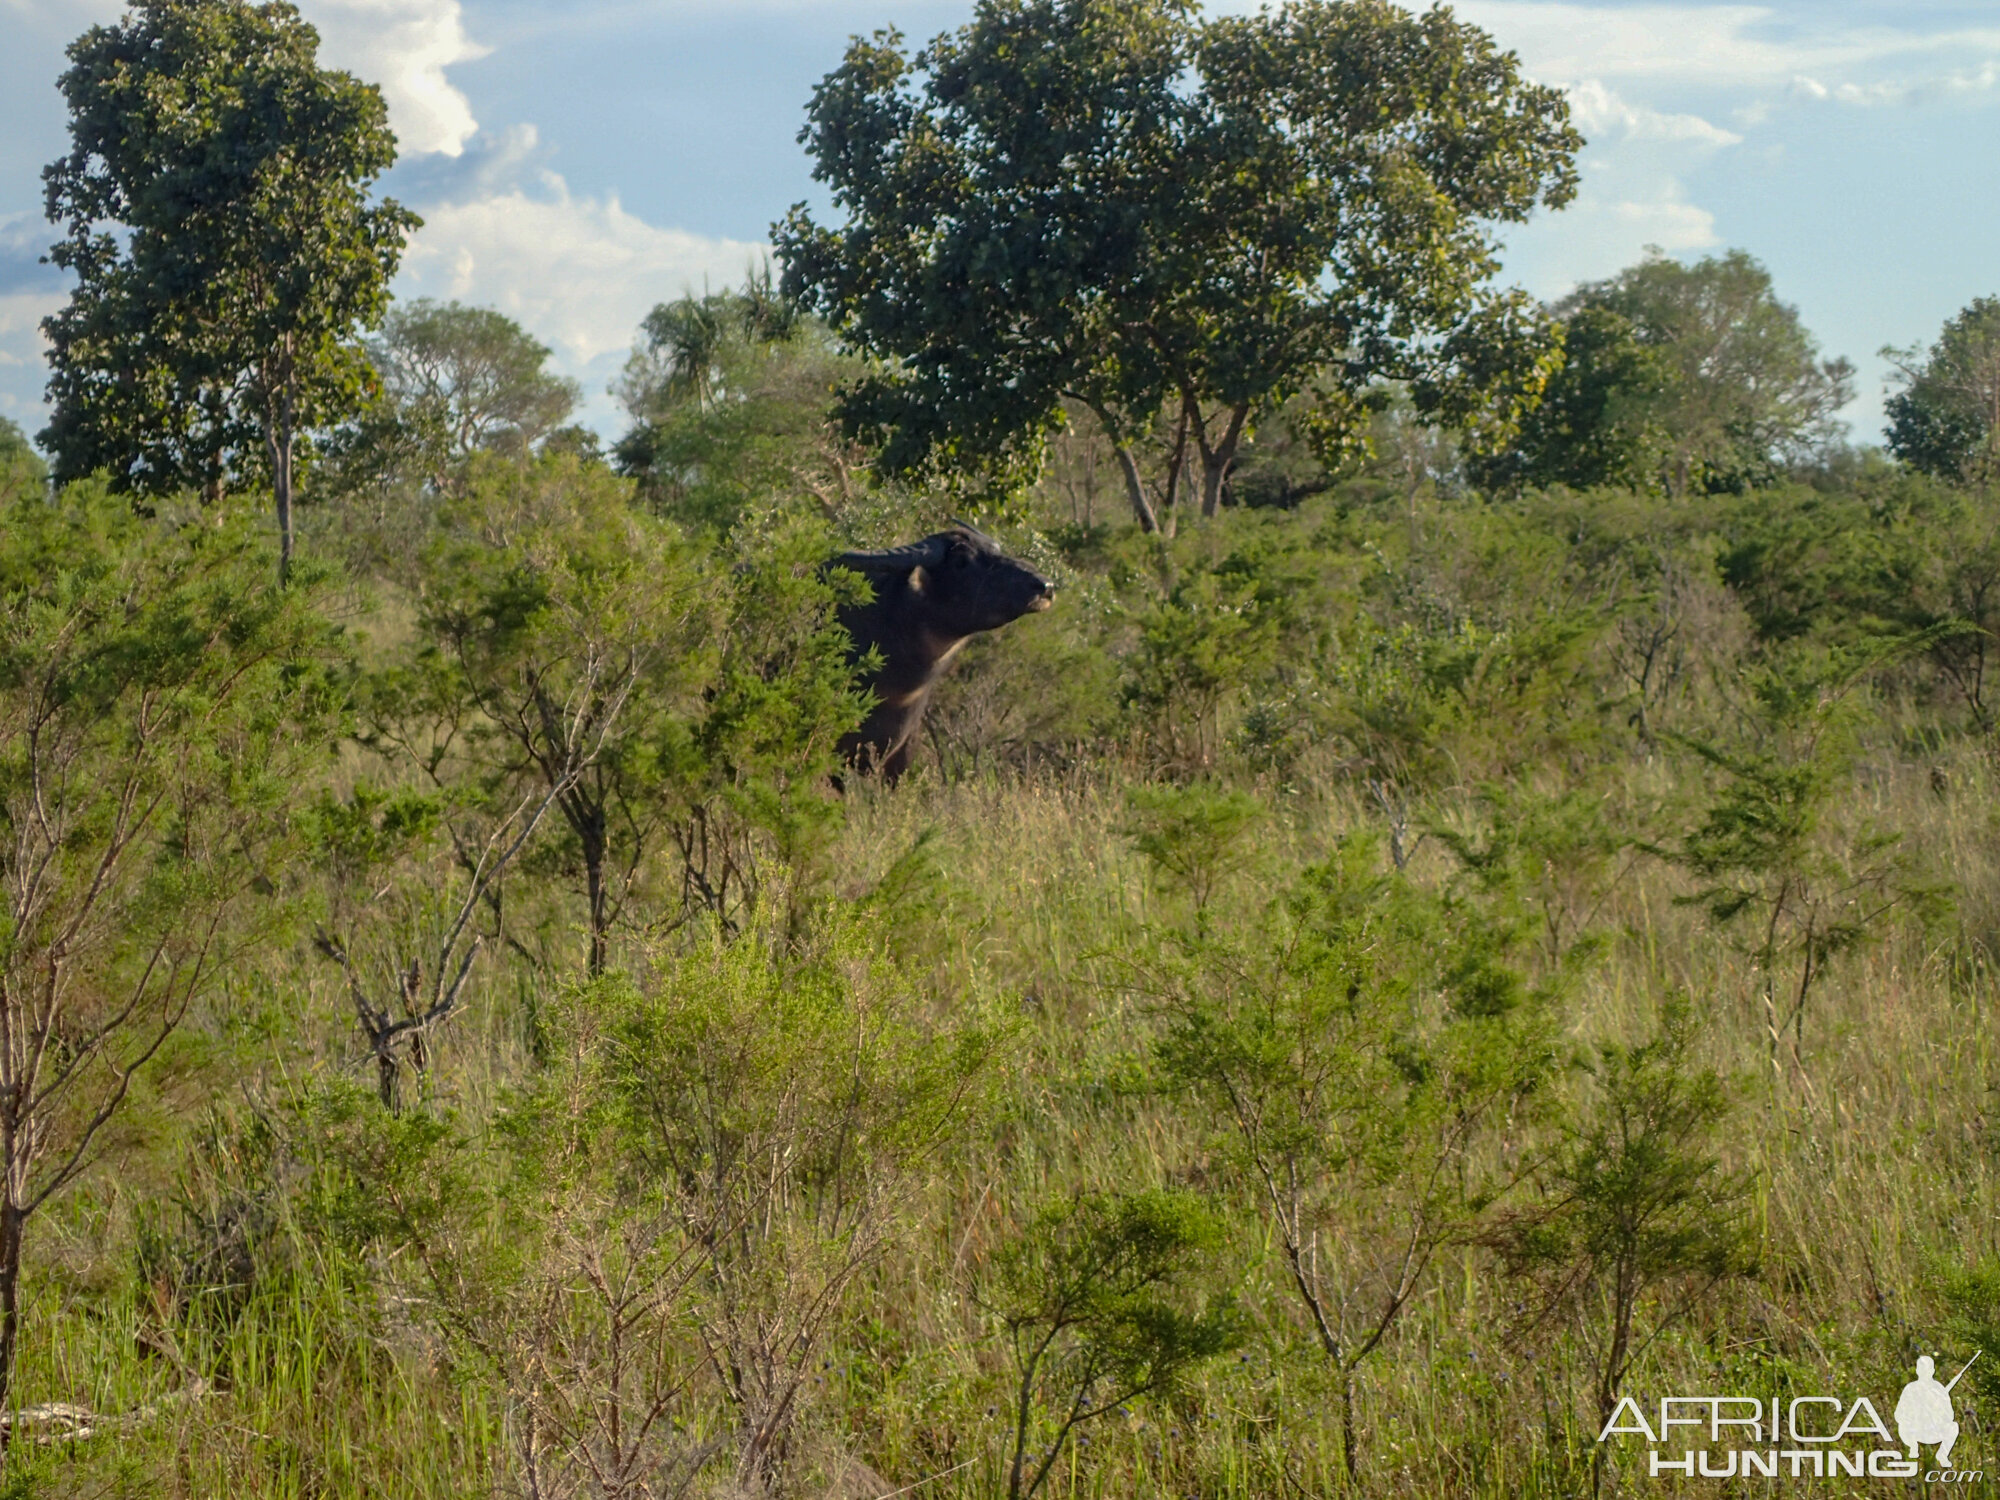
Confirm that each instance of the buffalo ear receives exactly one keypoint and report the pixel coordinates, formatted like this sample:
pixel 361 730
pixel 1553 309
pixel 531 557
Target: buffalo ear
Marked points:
pixel 919 581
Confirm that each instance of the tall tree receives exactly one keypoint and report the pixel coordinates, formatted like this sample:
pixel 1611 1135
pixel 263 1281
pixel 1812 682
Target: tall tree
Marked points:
pixel 1946 419
pixel 566 624
pixel 1113 203
pixel 728 394
pixel 204 342
pixel 468 379
pixel 1601 419
pixel 1680 378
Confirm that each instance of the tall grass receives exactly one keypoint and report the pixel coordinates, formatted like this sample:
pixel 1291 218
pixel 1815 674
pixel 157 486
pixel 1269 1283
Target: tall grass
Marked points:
pixel 298 1375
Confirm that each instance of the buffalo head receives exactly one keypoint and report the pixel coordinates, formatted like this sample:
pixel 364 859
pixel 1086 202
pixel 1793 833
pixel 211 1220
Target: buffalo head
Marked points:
pixel 929 597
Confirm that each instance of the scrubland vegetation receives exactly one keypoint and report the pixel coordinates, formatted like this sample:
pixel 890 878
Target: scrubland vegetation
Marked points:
pixel 1316 969
pixel 1484 904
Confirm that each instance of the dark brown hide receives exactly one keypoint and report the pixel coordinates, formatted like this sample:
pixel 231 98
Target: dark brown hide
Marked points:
pixel 930 597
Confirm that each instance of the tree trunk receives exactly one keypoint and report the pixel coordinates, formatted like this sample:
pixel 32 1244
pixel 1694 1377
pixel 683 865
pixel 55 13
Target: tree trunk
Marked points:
pixel 1347 1442
pixel 1020 1430
pixel 11 1220
pixel 282 442
pixel 591 836
pixel 1135 490
pixel 1215 461
pixel 1176 469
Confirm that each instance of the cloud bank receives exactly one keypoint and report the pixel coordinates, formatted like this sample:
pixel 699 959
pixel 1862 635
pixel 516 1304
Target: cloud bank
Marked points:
pixel 405 46
pixel 578 271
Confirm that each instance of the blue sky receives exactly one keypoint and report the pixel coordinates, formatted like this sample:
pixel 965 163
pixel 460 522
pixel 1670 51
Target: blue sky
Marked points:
pixel 578 163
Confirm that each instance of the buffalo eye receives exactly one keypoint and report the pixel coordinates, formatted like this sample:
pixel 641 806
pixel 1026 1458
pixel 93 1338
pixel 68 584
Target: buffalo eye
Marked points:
pixel 961 557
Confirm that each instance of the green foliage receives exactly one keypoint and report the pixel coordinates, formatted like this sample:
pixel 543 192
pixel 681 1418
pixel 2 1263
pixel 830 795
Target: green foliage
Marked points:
pixel 1424 700
pixel 729 398
pixel 1802 561
pixel 687 340
pixel 1636 1202
pixel 737 1062
pixel 722 1172
pixel 1347 1050
pixel 1944 420
pixel 22 472
pixel 1098 1296
pixel 1192 835
pixel 751 770
pixel 1212 636
pixel 160 704
pixel 707 1162
pixel 1545 862
pixel 1941 582
pixel 1968 1288
pixel 570 630
pixel 1025 698
pixel 1680 379
pixel 199 349
pixel 787 1103
pixel 455 381
pixel 1773 856
pixel 1086 262
pixel 559 632
pixel 1602 417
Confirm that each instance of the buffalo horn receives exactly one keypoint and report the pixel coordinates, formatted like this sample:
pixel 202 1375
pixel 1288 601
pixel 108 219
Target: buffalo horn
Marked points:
pixel 928 553
pixel 968 526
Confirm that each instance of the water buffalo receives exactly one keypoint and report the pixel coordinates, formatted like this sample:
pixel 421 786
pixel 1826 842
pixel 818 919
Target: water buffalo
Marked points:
pixel 930 597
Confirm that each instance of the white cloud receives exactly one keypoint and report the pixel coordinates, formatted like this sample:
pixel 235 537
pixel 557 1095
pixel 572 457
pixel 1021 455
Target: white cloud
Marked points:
pixel 21 315
pixel 405 46
pixel 1565 42
pixel 21 349
pixel 576 271
pixel 1616 217
pixel 580 272
pixel 1713 45
pixel 1667 222
pixel 1960 81
pixel 1598 110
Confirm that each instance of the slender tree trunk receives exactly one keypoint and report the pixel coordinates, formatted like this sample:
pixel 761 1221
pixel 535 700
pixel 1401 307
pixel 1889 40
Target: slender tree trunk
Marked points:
pixel 282 442
pixel 593 880
pixel 1020 1431
pixel 1215 460
pixel 1176 469
pixel 284 489
pixel 1135 490
pixel 1347 1444
pixel 11 1221
pixel 1625 1290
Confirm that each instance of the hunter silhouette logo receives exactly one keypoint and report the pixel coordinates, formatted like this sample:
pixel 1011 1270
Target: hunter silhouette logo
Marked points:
pixel 1805 1437
pixel 1924 1414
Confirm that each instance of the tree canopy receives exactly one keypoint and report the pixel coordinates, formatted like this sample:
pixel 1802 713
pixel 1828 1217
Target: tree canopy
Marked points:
pixel 1117 204
pixel 470 378
pixel 220 326
pixel 728 393
pixel 1679 378
pixel 1946 419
